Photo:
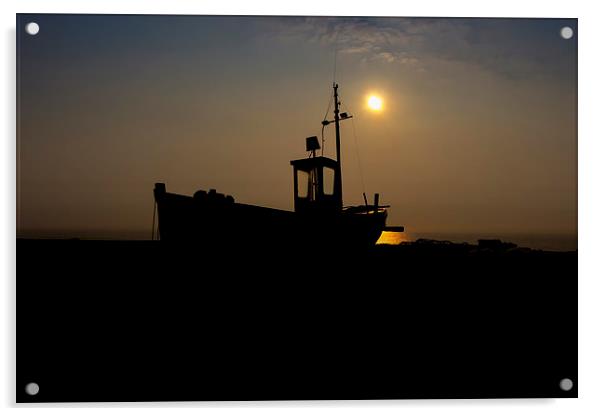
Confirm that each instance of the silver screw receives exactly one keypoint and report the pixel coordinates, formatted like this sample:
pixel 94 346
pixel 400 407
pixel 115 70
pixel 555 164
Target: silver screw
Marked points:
pixel 32 389
pixel 566 32
pixel 566 384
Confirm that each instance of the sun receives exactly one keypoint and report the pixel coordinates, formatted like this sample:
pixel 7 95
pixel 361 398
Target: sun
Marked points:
pixel 375 103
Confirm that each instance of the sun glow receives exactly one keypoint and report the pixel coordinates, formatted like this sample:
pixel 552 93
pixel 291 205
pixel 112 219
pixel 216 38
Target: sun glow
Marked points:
pixel 375 103
pixel 392 238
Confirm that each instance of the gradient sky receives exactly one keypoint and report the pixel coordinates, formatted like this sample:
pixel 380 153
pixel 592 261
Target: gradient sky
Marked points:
pixel 478 133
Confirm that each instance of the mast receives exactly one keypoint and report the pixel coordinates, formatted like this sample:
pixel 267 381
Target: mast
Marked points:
pixel 338 185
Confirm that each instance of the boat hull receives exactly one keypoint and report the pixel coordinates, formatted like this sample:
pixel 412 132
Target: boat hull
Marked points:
pixel 212 218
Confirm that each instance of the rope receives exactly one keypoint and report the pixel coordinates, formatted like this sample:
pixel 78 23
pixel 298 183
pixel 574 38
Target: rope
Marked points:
pixel 154 212
pixel 357 150
pixel 328 108
pixel 324 119
pixel 359 160
pixel 334 78
pixel 323 139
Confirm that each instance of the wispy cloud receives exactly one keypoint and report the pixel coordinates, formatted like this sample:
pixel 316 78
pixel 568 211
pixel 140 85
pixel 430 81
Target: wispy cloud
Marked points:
pixel 510 47
pixel 370 39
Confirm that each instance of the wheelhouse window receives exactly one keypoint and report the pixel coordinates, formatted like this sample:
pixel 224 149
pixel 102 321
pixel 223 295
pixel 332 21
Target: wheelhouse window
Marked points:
pixel 328 181
pixel 302 184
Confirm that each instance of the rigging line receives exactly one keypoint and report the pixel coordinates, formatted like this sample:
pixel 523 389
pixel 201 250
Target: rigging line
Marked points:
pixel 323 139
pixel 328 108
pixel 334 78
pixel 154 212
pixel 359 160
pixel 324 119
pixel 357 148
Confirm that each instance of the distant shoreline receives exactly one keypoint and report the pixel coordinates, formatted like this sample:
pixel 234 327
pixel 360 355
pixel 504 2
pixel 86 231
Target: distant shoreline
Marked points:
pixel 547 242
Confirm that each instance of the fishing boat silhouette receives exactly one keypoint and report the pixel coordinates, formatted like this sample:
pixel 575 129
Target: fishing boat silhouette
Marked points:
pixel 319 215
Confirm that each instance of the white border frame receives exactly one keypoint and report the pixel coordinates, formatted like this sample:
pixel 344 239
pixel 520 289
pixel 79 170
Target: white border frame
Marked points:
pixel 590 198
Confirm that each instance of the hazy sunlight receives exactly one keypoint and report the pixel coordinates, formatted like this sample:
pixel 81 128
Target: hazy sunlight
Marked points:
pixel 375 103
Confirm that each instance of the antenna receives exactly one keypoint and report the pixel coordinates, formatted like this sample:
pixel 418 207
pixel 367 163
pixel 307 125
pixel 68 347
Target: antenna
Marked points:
pixel 336 121
pixel 334 78
pixel 334 71
pixel 338 183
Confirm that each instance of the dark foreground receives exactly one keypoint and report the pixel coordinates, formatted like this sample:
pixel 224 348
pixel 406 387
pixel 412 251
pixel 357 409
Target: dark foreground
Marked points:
pixel 141 321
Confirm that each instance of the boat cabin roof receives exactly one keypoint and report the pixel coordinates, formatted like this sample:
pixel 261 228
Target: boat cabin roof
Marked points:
pixel 313 162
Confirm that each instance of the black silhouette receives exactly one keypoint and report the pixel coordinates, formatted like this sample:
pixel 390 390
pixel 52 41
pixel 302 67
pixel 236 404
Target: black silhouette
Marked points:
pixel 148 321
pixel 319 217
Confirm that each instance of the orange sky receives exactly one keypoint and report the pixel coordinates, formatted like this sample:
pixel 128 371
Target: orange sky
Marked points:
pixel 478 131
